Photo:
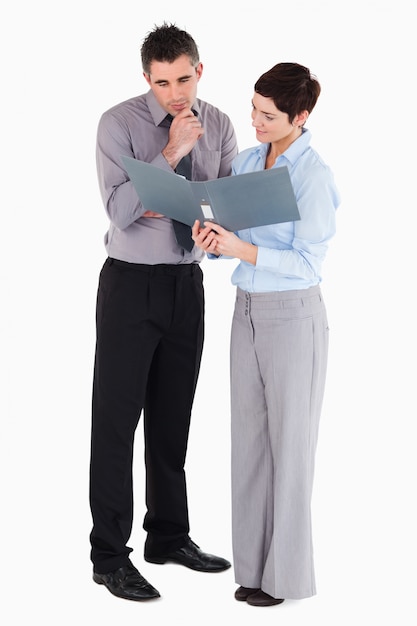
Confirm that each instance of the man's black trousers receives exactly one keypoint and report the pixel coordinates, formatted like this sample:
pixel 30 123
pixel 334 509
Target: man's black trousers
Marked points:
pixel 150 331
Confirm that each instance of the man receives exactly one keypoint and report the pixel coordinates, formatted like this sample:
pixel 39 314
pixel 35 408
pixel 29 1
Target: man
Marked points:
pixel 150 317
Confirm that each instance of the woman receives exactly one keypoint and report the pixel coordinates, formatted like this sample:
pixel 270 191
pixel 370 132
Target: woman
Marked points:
pixel 279 345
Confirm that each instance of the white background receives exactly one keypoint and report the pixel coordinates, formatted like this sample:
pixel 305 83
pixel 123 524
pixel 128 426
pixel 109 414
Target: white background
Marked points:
pixel 63 64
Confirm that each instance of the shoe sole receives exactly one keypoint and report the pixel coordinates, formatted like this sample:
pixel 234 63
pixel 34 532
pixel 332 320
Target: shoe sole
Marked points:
pixel 160 561
pixel 265 603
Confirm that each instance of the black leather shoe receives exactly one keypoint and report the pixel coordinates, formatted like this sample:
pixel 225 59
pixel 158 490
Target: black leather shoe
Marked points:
pixel 191 556
pixel 260 598
pixel 242 593
pixel 126 582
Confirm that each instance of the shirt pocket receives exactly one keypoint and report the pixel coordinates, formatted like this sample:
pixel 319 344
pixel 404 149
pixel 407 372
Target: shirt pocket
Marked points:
pixel 206 164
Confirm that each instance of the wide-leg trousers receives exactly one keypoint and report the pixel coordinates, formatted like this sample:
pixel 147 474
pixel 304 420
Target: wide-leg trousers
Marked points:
pixel 150 327
pixel 279 347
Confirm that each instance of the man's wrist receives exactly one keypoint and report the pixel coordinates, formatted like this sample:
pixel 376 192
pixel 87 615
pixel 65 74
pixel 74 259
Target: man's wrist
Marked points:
pixel 171 157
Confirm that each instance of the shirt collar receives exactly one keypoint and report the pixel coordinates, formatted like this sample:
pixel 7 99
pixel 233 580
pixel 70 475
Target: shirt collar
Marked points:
pixel 157 112
pixel 293 152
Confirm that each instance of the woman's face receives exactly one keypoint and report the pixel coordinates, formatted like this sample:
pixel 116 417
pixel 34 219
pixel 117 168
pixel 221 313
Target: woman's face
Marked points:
pixel 271 124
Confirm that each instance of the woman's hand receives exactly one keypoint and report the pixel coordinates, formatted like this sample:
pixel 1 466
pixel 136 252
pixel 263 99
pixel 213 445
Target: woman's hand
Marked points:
pixel 217 240
pixel 204 237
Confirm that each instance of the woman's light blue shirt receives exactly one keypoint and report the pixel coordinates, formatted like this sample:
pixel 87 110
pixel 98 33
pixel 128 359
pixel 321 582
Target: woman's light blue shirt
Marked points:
pixel 290 255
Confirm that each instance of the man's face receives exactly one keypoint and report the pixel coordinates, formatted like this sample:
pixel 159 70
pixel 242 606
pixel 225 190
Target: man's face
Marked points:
pixel 174 84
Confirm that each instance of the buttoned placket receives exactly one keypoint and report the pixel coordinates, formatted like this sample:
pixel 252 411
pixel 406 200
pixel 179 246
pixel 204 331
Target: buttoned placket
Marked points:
pixel 248 313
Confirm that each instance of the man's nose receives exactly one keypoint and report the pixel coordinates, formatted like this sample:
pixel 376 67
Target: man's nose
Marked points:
pixel 176 92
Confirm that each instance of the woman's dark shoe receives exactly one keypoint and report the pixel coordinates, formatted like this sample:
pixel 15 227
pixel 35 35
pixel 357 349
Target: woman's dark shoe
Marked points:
pixel 260 598
pixel 242 593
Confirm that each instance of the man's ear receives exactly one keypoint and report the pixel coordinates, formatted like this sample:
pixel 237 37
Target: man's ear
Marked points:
pixel 147 78
pixel 199 70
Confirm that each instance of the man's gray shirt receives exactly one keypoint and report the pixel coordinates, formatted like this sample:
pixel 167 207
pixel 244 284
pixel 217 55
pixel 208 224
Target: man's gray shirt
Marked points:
pixel 133 128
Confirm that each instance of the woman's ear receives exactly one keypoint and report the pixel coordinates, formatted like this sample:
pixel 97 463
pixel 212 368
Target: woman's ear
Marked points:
pixel 300 119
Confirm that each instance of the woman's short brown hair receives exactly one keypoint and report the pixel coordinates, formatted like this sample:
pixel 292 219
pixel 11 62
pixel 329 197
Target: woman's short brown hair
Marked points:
pixel 291 86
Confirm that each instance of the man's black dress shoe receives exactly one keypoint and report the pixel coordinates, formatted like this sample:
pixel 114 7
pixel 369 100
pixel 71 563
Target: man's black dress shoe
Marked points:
pixel 260 598
pixel 126 582
pixel 191 556
pixel 242 593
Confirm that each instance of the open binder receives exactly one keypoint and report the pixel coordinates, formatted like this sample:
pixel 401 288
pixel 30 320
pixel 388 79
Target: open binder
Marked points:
pixel 234 202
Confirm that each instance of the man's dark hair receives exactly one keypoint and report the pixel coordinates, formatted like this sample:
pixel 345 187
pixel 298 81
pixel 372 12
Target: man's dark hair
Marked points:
pixel 291 86
pixel 165 44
